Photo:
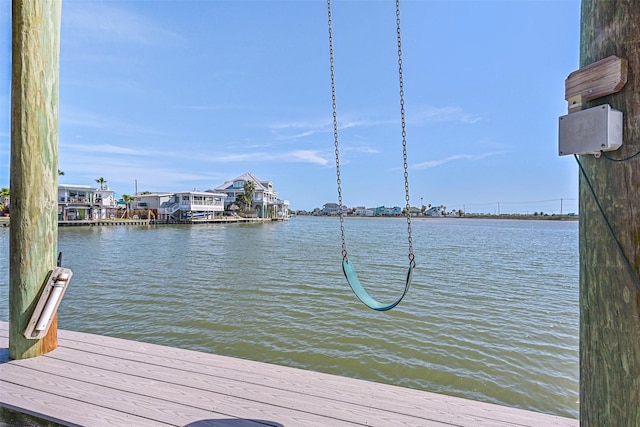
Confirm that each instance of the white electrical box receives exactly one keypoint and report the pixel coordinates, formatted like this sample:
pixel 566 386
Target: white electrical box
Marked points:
pixel 590 131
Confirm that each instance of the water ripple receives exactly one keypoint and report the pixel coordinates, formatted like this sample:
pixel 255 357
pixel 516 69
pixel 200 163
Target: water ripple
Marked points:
pixel 492 314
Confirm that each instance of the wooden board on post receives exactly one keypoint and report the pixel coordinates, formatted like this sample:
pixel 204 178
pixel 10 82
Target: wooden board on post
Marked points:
pixel 596 80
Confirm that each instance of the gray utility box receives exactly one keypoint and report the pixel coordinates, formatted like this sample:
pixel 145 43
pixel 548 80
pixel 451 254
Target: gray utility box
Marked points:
pixel 590 131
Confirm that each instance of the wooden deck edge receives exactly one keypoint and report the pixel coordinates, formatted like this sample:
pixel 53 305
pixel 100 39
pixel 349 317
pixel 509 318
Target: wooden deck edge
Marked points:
pixel 238 382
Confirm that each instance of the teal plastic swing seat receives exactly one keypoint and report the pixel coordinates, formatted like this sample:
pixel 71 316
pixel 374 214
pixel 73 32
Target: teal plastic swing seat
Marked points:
pixel 352 277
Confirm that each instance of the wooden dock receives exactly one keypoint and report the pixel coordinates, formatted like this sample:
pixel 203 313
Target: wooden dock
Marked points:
pixel 122 222
pixel 92 380
pixel 103 222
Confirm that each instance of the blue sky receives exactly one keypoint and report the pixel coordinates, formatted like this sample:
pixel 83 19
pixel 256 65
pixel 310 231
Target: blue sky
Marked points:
pixel 183 95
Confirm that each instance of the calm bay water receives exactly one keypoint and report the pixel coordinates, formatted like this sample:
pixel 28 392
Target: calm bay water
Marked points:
pixel 492 314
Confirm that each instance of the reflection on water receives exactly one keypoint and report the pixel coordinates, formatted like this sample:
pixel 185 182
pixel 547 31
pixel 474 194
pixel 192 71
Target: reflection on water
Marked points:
pixel 492 314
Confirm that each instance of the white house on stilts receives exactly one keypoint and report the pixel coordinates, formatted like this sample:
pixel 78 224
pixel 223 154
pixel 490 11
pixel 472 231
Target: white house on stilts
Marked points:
pixel 264 203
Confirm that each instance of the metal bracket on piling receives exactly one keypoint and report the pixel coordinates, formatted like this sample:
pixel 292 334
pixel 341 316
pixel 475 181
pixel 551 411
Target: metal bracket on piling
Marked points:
pixel 47 306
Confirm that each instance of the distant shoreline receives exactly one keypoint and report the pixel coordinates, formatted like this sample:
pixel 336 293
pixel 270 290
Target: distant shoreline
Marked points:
pixel 4 221
pixel 518 216
pixel 470 216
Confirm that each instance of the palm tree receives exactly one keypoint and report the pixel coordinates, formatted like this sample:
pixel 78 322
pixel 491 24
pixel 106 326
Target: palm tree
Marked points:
pixel 249 191
pixel 127 199
pixel 242 201
pixel 4 194
pixel 102 182
pixel 60 173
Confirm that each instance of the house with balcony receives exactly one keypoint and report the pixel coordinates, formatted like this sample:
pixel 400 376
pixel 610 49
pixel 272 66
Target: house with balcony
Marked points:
pixel 394 211
pixel 332 209
pixel 105 203
pixel 200 204
pixel 359 210
pixel 379 211
pixel 434 211
pixel 264 203
pixel 83 202
pixel 363 211
pixel 186 206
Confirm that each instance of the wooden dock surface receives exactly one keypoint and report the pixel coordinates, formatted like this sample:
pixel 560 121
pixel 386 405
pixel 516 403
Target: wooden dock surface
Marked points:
pixel 92 380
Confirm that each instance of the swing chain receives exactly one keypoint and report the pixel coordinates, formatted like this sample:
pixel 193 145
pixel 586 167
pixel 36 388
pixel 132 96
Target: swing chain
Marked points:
pixel 404 136
pixel 412 259
pixel 335 134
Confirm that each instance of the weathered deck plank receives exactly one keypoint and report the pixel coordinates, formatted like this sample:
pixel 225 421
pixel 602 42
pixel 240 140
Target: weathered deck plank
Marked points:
pixel 123 382
pixel 51 407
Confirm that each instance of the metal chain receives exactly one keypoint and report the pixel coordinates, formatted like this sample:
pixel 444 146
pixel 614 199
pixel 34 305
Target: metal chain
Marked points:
pixel 412 258
pixel 404 136
pixel 335 134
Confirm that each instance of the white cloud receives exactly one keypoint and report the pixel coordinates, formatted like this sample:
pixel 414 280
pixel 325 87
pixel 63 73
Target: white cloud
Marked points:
pixel 351 121
pixel 311 124
pixel 104 21
pixel 214 107
pixel 347 124
pixel 301 129
pixel 297 136
pixel 246 157
pixel 443 114
pixel 102 149
pixel 361 149
pixel 71 116
pixel 296 156
pixel 434 163
pixel 122 178
pixel 326 125
pixel 306 156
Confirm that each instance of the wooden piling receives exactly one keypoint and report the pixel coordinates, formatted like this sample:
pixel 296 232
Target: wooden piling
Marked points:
pixel 33 237
pixel 609 294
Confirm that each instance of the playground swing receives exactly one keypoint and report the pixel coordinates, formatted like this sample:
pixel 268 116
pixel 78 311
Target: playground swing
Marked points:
pixel 348 267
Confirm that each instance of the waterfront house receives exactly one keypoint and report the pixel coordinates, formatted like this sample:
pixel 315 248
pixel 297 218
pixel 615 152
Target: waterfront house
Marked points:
pixel 152 202
pixel 363 211
pixel 332 209
pixel 105 203
pixel 394 211
pixel 187 205
pixel 434 211
pixel 359 211
pixel 83 202
pixel 264 203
